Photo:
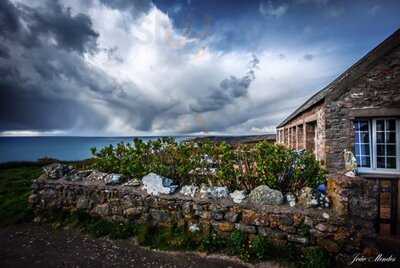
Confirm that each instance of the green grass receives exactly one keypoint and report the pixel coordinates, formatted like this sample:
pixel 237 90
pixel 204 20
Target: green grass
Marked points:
pixel 15 187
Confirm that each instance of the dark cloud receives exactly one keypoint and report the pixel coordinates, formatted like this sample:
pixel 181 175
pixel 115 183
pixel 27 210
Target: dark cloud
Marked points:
pixel 46 85
pixel 8 18
pixel 228 91
pixel 70 32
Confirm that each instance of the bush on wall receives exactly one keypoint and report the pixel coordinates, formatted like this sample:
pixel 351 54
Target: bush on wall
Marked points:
pixel 238 167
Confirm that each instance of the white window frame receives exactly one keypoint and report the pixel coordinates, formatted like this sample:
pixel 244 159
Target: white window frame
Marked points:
pixel 373 149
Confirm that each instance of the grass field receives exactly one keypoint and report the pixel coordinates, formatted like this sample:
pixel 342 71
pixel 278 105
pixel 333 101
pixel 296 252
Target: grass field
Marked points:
pixel 15 186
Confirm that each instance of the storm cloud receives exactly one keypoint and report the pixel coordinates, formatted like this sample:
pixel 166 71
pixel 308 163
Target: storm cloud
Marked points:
pixel 119 67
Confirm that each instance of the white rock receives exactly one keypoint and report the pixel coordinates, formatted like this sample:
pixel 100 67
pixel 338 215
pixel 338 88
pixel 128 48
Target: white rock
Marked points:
pixel 291 199
pixel 325 215
pixel 115 178
pixel 189 190
pixel 155 184
pixel 350 174
pixel 194 228
pixel 213 192
pixel 263 195
pixel 238 196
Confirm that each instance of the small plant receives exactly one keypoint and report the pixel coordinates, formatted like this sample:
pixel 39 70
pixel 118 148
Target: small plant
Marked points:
pixel 259 247
pixel 237 242
pixel 315 257
pixel 212 242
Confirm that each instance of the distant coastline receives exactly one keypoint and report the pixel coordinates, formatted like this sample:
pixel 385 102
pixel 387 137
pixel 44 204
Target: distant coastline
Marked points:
pixel 75 148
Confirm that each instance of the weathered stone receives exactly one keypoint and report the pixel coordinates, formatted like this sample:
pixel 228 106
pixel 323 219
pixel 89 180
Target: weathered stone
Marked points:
pixel 132 183
pixel 96 177
pixel 342 234
pixel 238 196
pixel 298 239
pixel 307 198
pixel 217 215
pixel 285 220
pixel 102 210
pixel 133 212
pixel 271 233
pixel 249 216
pixel 213 192
pixel 189 190
pixel 263 195
pixel 193 228
pixel 206 215
pixel 328 245
pixel 308 221
pixel 290 199
pixel 246 228
pixel 231 216
pixel 321 227
pixel 155 184
pixel 225 226
pixel 82 203
pixel 56 170
pixel 159 216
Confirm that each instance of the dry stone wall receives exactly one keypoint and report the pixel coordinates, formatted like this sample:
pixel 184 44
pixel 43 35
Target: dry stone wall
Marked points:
pixel 338 233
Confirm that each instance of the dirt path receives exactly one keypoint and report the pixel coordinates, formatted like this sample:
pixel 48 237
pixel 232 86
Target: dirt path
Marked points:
pixel 32 245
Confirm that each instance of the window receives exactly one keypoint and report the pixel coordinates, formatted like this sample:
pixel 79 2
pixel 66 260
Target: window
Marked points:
pixel 362 143
pixel 377 144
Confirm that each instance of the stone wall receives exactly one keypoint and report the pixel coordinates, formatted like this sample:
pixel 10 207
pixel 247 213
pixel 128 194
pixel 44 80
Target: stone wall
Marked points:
pixel 374 92
pixel 312 125
pixel 340 234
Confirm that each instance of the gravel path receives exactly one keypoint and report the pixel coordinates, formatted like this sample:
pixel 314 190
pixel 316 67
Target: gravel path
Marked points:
pixel 32 245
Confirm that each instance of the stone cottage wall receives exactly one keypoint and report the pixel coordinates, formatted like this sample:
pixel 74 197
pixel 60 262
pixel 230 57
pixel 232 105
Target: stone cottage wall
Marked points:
pixel 375 94
pixel 306 139
pixel 339 234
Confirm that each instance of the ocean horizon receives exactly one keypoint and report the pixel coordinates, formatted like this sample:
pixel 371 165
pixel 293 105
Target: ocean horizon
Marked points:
pixel 66 148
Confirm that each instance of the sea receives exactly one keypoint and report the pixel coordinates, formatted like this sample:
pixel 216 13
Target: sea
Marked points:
pixel 61 148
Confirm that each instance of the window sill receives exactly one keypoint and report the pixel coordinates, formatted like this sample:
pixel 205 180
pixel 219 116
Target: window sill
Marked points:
pixel 379 174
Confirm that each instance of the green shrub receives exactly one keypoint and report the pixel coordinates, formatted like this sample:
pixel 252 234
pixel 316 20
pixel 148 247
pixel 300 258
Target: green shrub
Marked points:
pixel 240 167
pixel 122 230
pixel 100 228
pixel 237 242
pixel 259 247
pixel 315 257
pixel 212 242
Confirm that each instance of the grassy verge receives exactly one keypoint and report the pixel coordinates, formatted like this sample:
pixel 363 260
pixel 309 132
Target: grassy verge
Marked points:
pixel 249 249
pixel 15 187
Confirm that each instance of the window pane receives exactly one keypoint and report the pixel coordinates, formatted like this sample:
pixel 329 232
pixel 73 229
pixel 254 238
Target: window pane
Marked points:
pixel 361 125
pixel 364 137
pixel 380 137
pixel 380 162
pixel 391 125
pixel 380 125
pixel 365 161
pixel 391 150
pixel 380 150
pixel 390 137
pixel 391 162
pixel 362 149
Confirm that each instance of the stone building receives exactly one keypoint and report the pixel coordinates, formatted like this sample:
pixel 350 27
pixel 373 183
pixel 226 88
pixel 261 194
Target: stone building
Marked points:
pixel 360 112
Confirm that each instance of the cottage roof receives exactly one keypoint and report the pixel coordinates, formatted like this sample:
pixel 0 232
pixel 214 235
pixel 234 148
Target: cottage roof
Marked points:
pixel 350 76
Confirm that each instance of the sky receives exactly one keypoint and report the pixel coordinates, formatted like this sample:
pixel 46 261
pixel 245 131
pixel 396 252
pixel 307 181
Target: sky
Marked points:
pixel 123 67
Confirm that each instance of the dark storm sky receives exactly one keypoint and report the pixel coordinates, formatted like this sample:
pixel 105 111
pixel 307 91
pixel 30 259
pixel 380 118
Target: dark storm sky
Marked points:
pixel 119 67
